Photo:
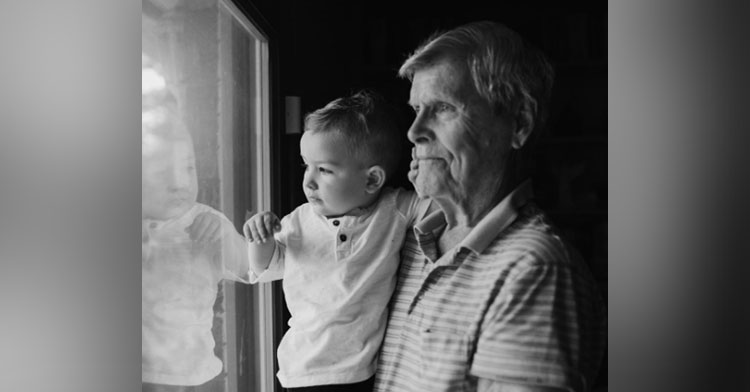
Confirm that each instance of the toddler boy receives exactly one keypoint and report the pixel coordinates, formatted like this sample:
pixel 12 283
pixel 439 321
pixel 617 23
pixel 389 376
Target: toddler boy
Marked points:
pixel 338 253
pixel 187 248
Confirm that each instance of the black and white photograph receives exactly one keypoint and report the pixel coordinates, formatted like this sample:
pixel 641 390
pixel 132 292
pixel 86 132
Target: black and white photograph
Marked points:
pixel 356 196
pixel 376 196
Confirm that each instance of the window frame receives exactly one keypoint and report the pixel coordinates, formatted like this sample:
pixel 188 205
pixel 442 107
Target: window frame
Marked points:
pixel 259 299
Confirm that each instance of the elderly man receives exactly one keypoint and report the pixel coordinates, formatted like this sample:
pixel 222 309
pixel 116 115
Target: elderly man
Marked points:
pixel 489 297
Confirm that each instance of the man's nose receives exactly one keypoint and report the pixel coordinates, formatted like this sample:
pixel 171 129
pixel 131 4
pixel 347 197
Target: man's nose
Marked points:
pixel 418 131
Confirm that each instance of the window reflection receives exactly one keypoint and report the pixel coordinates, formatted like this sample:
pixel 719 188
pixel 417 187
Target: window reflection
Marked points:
pixel 204 164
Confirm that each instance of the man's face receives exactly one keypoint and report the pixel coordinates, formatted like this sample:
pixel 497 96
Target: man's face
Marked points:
pixel 169 182
pixel 334 181
pixel 459 140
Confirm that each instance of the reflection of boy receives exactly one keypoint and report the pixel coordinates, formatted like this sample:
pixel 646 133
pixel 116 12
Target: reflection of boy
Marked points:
pixel 187 249
pixel 338 253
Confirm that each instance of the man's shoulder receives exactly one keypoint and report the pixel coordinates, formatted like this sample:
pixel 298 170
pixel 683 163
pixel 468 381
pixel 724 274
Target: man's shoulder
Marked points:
pixel 533 227
pixel 533 238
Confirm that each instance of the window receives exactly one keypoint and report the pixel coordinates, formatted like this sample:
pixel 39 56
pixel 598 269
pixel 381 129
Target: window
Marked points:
pixel 204 81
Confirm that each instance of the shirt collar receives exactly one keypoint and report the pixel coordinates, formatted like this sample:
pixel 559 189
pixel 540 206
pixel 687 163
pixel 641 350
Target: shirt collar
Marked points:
pixel 496 220
pixel 184 220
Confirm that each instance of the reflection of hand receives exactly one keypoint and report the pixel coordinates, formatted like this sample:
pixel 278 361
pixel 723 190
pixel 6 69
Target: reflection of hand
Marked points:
pixel 206 227
pixel 261 226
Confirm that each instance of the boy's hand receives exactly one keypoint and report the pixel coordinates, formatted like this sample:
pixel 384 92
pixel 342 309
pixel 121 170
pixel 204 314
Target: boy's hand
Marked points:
pixel 206 227
pixel 261 226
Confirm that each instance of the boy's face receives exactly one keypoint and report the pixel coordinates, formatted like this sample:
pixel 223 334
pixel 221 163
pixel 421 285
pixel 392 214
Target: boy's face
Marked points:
pixel 334 181
pixel 170 185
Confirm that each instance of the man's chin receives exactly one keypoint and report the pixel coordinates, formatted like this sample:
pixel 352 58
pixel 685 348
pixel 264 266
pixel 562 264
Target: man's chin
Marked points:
pixel 423 186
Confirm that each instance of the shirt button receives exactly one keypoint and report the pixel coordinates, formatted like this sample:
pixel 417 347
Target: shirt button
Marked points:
pixel 335 223
pixel 342 237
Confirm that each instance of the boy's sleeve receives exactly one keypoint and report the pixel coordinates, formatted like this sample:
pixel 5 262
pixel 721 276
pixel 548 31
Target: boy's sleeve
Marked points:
pixel 411 206
pixel 275 269
pixel 232 250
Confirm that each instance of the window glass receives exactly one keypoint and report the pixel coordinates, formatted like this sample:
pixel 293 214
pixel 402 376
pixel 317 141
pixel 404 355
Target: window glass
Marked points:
pixel 205 135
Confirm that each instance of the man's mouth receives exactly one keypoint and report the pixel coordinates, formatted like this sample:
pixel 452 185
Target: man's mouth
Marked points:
pixel 427 158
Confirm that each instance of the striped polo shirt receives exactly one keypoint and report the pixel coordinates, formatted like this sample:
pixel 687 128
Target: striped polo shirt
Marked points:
pixel 512 302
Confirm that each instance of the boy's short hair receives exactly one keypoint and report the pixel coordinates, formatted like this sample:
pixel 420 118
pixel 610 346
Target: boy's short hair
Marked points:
pixel 366 123
pixel 161 124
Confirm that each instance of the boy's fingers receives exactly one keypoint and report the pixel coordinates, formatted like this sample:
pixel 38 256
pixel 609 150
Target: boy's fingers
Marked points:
pixel 276 225
pixel 213 231
pixel 270 221
pixel 200 228
pixel 261 229
pixel 194 229
pixel 253 232
pixel 262 225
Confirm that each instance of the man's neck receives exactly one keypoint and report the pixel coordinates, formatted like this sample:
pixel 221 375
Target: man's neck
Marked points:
pixel 462 214
pixel 467 210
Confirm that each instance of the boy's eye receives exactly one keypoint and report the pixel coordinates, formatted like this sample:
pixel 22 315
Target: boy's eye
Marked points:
pixel 324 170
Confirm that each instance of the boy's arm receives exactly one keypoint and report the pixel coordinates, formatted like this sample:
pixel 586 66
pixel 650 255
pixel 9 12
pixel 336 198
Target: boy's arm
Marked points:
pixel 259 232
pixel 214 227
pixel 413 207
pixel 259 253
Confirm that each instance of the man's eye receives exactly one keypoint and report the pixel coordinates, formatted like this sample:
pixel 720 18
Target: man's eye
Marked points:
pixel 442 107
pixel 324 170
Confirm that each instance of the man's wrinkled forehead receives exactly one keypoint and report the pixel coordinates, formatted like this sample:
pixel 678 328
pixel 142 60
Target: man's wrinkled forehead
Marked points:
pixel 440 81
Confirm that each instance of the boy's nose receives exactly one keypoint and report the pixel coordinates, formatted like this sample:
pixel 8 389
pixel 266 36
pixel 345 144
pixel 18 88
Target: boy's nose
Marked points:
pixel 309 182
pixel 178 181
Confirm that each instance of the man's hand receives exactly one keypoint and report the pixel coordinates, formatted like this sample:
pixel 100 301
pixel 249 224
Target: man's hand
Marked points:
pixel 261 226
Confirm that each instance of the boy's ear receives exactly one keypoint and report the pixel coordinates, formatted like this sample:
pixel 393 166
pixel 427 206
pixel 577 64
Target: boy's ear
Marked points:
pixel 524 125
pixel 375 179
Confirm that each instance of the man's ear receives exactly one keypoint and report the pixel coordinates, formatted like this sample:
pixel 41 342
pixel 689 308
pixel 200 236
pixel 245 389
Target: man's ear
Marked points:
pixel 524 124
pixel 375 179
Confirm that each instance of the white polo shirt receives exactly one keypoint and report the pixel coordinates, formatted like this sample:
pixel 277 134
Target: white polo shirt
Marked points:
pixel 339 275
